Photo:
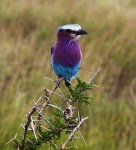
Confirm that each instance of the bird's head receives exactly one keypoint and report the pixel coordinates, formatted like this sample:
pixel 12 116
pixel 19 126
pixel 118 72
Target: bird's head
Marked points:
pixel 73 31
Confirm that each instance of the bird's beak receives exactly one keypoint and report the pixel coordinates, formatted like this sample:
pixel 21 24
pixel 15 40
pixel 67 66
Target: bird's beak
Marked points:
pixel 80 32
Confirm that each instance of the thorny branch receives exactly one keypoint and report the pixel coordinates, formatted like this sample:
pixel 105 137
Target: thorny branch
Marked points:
pixel 48 97
pixel 35 124
pixel 72 132
pixel 34 108
pixel 28 123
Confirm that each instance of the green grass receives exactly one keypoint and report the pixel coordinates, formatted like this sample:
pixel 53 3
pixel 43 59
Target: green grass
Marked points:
pixel 28 31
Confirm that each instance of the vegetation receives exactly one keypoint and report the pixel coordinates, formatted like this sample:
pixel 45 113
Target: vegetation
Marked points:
pixel 28 31
pixel 41 129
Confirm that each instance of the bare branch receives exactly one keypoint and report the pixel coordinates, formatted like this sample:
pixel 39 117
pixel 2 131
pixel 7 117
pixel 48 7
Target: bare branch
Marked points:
pixel 48 79
pixel 73 131
pixel 54 144
pixel 28 123
pixel 48 97
pixel 33 128
pixel 14 138
pixel 38 110
pixel 44 118
pixel 94 75
pixel 74 145
pixel 58 95
pixel 57 107
pixel 82 137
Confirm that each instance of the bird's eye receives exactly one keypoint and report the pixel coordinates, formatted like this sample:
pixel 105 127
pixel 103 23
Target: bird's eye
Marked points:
pixel 68 30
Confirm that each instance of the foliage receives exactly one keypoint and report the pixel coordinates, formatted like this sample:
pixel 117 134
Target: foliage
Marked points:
pixel 77 93
pixel 35 135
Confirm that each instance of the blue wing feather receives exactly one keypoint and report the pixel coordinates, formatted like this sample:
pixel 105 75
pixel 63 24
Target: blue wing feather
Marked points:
pixel 52 50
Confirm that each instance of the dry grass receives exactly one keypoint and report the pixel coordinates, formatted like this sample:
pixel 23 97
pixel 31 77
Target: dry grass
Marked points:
pixel 28 30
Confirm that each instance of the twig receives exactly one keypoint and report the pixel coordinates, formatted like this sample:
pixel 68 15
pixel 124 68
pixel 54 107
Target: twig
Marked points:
pixel 73 131
pixel 28 123
pixel 13 139
pixel 44 118
pixel 54 144
pixel 48 97
pixel 45 128
pixel 74 145
pixel 33 128
pixel 82 137
pixel 57 107
pixel 48 78
pixel 94 75
pixel 63 97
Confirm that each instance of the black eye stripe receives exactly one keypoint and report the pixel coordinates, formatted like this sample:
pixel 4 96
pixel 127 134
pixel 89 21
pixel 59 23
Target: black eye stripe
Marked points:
pixel 68 30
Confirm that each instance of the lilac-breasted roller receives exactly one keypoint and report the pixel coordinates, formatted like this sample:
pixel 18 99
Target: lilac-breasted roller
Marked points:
pixel 66 54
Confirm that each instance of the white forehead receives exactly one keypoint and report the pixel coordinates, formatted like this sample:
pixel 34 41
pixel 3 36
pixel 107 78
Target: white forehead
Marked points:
pixel 73 27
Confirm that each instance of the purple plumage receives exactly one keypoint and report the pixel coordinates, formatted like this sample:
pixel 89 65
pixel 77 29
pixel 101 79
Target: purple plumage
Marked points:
pixel 66 53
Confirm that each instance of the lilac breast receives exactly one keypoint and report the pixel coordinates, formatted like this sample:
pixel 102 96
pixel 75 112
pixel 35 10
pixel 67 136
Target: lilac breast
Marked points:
pixel 67 53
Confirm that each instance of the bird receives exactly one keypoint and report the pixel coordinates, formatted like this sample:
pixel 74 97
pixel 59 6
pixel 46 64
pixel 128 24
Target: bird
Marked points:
pixel 66 54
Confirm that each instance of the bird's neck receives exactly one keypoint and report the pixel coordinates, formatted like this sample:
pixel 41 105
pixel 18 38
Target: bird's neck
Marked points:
pixel 63 39
pixel 67 51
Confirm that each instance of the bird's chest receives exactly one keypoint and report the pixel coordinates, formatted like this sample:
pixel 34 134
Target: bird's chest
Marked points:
pixel 67 55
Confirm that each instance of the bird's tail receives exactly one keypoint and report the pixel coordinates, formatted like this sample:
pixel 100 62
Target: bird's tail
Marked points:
pixel 67 82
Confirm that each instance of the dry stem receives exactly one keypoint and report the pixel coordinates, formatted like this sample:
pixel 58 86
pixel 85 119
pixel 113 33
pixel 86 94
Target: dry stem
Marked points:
pixel 73 131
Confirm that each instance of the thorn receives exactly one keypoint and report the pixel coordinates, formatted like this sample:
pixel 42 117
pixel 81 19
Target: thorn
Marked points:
pixel 58 95
pixel 45 118
pixel 54 144
pixel 48 78
pixel 57 107
pixel 45 128
pixel 14 138
pixel 82 137
pixel 94 75
pixel 33 128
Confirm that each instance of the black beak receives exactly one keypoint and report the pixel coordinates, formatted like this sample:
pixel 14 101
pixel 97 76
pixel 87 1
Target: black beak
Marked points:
pixel 80 32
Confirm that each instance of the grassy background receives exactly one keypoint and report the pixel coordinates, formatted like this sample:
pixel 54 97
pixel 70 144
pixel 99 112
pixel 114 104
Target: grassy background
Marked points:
pixel 28 31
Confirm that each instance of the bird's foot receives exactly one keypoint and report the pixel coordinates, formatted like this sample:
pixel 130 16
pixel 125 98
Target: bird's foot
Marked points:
pixel 58 82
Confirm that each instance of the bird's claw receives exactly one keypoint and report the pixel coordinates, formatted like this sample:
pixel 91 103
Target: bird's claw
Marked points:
pixel 58 82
